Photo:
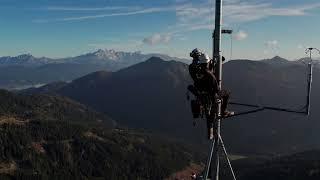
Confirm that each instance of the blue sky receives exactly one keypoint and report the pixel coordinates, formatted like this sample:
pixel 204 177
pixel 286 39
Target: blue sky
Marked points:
pixel 60 28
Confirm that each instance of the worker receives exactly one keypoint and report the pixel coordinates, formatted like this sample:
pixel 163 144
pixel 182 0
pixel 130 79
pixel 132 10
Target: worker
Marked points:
pixel 206 88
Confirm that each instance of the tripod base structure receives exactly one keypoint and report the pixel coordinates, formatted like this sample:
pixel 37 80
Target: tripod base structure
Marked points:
pixel 211 171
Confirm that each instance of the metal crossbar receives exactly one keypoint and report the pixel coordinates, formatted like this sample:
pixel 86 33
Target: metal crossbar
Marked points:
pixel 269 108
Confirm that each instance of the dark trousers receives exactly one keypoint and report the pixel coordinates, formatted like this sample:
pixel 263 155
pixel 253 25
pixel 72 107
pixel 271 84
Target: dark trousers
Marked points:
pixel 225 96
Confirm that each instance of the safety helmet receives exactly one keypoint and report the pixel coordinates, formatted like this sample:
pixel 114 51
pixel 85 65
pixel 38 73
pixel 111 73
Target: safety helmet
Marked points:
pixel 195 53
pixel 204 58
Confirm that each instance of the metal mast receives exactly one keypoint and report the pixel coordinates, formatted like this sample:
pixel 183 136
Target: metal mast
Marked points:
pixel 213 165
pixel 217 56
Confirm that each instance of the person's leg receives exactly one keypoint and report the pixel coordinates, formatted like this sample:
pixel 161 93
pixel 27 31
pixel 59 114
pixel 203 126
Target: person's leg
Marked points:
pixel 210 121
pixel 210 129
pixel 195 108
pixel 225 95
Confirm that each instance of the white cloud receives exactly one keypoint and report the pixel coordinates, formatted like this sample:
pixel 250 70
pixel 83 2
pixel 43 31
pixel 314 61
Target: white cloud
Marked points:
pixel 129 45
pixel 157 38
pixel 201 15
pixel 300 46
pixel 240 35
pixel 272 44
pixel 181 1
pixel 271 47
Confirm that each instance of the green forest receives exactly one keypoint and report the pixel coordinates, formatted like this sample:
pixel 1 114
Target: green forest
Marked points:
pixel 59 142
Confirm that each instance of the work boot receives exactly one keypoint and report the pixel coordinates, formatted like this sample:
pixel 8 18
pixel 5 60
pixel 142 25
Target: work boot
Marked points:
pixel 228 113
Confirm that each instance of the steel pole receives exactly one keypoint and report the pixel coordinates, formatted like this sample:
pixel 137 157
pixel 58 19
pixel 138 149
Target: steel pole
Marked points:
pixel 310 67
pixel 218 72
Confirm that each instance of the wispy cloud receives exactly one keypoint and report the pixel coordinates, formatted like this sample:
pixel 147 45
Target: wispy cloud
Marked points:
pixel 128 45
pixel 271 47
pixel 128 13
pixel 240 35
pixel 272 44
pixel 157 38
pixel 61 8
pixel 300 46
pixel 192 16
pixel 200 16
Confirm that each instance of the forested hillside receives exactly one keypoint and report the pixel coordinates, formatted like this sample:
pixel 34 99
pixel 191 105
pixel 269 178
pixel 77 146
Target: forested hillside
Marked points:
pixel 60 150
pixel 300 166
pixel 48 137
pixel 46 107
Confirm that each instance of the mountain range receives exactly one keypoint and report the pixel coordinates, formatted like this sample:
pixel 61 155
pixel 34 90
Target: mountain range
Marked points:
pixel 114 60
pixel 26 70
pixel 152 95
pixel 26 60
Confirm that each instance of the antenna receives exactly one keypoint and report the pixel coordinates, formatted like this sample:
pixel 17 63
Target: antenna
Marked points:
pixel 306 109
pixel 310 68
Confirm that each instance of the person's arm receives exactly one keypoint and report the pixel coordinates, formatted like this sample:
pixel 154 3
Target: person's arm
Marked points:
pixel 191 71
pixel 213 80
pixel 210 65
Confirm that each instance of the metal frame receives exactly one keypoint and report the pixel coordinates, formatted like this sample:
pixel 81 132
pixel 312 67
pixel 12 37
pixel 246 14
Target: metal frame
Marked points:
pixel 212 164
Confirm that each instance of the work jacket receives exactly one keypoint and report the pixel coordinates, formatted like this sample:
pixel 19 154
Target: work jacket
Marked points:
pixel 204 79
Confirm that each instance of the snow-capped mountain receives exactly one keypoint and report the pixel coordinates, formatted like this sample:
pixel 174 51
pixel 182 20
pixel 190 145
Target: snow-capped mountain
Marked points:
pixel 113 55
pixel 26 70
pixel 115 60
pixel 23 60
pixel 107 54
pixel 109 57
